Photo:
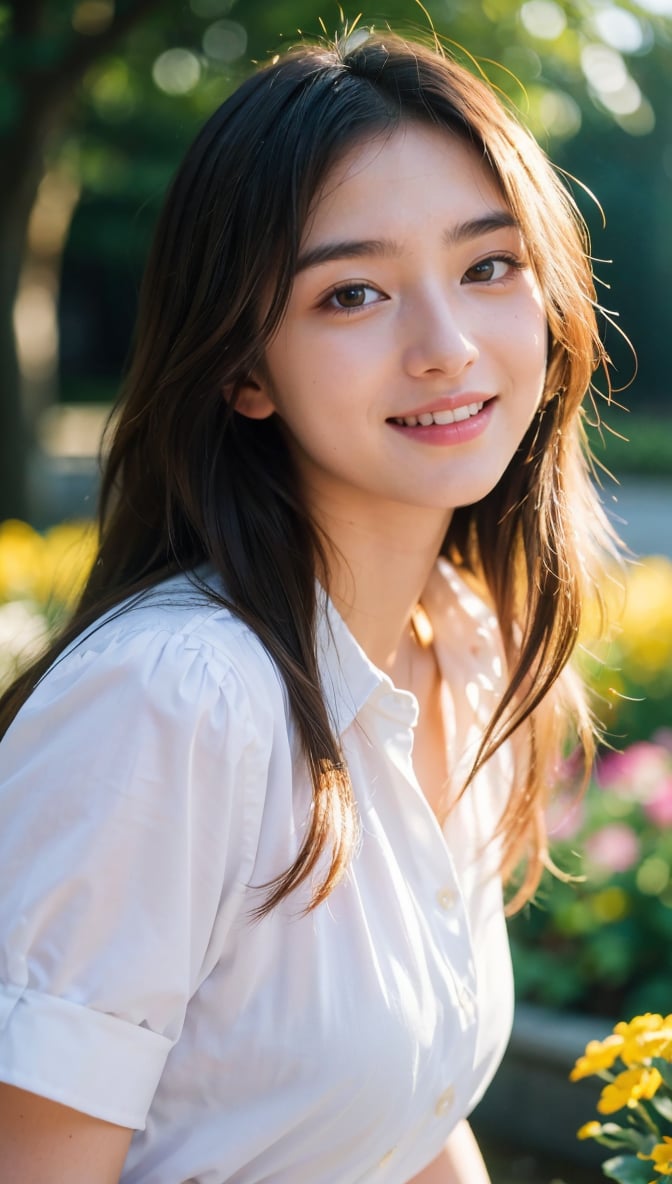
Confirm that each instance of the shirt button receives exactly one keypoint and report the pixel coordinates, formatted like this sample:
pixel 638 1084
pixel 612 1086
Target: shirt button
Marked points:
pixel 466 1003
pixel 445 1101
pixel 446 898
pixel 387 1157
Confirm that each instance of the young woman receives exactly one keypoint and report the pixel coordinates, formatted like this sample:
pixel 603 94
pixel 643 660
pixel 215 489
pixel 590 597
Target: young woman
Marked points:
pixel 258 802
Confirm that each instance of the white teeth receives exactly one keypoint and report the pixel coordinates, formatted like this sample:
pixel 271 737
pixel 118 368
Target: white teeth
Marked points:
pixel 440 417
pixel 444 417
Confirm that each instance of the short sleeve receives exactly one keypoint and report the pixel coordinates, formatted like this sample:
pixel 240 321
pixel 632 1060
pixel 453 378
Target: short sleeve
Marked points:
pixel 129 797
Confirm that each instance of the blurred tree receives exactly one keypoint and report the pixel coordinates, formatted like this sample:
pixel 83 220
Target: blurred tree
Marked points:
pixel 46 50
pixel 99 97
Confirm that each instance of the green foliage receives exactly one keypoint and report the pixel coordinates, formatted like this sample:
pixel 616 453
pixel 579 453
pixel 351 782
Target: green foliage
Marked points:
pixel 129 123
pixel 603 942
pixel 627 1169
pixel 665 1069
pixel 643 443
pixel 636 1094
pixel 630 670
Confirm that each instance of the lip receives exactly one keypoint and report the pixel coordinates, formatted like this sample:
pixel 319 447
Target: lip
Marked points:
pixel 446 403
pixel 461 432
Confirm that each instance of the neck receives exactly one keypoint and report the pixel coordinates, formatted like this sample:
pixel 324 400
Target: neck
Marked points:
pixel 378 569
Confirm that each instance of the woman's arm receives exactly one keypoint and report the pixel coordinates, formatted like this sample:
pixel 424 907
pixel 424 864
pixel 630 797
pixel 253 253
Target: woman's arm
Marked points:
pixel 42 1142
pixel 460 1161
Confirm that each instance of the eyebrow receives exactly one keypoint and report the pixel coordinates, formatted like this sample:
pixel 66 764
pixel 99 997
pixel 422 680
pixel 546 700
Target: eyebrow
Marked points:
pixel 389 249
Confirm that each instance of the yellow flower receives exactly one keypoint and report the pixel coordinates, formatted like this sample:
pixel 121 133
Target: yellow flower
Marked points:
pixel 628 1088
pixel 20 560
pixel 49 569
pixel 599 1055
pixel 589 1130
pixel 645 1036
pixel 646 620
pixel 639 635
pixel 661 1156
pixel 649 1022
pixel 655 1044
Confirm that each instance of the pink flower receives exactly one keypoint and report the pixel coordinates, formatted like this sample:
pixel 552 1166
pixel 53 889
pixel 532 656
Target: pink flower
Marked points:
pixel 614 847
pixel 565 816
pixel 659 807
pixel 635 773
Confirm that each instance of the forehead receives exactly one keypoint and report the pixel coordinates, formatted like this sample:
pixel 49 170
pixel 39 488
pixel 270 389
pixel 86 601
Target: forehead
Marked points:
pixel 416 171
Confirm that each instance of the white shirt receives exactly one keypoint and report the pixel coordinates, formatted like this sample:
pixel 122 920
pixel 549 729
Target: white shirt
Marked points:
pixel 152 777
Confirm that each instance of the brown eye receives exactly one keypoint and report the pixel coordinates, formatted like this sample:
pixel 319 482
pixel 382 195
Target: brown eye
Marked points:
pixel 495 267
pixel 481 271
pixel 351 297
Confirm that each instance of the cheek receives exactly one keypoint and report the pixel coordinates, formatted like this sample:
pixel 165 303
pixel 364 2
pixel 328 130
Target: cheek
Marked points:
pixel 527 337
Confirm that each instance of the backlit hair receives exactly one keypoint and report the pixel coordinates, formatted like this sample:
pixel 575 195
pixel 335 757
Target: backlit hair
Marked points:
pixel 189 480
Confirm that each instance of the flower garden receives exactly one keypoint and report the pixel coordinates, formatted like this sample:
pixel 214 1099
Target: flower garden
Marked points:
pixel 41 576
pixel 600 943
pixel 635 1062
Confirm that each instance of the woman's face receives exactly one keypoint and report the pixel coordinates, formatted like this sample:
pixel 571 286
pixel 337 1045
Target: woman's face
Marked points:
pixel 412 354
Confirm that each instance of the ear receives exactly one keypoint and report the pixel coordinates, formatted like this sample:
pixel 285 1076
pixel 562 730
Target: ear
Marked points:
pixel 252 400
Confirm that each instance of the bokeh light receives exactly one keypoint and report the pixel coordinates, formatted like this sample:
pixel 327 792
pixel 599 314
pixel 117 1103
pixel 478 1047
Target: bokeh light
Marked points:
pixel 619 28
pixel 604 69
pixel 543 19
pixel 177 71
pixel 225 41
pixel 657 7
pixel 560 114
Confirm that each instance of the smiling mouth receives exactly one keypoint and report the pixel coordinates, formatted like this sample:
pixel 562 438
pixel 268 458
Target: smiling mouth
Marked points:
pixel 439 417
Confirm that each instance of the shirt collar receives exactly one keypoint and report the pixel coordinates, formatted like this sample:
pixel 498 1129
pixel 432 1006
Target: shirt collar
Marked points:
pixel 349 678
pixel 460 618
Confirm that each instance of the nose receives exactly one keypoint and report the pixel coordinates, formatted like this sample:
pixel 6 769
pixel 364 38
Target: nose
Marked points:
pixel 438 339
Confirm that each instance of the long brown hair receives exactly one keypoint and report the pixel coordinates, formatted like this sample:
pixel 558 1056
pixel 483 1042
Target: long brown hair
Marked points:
pixel 188 480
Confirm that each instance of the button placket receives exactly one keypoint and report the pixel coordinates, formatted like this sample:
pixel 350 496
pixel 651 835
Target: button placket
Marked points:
pixel 467 1003
pixel 446 899
pixel 445 1101
pixel 387 1157
pixel 453 920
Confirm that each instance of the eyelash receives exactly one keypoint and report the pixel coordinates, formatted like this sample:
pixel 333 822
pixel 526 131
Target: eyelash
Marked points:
pixel 352 287
pixel 513 262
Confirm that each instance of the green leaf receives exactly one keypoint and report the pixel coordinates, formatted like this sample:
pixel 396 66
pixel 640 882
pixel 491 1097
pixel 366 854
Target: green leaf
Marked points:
pixel 665 1069
pixel 627 1169
pixel 626 1137
pixel 663 1106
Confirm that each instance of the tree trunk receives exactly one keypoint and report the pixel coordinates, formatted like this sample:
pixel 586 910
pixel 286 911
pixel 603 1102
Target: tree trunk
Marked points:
pixel 43 95
pixel 16 435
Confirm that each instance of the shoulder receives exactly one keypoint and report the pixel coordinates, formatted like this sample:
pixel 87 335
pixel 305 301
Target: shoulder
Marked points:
pixel 168 684
pixel 173 640
pixel 165 719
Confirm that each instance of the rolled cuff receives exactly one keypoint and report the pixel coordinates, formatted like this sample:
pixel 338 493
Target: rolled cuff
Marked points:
pixel 96 1063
